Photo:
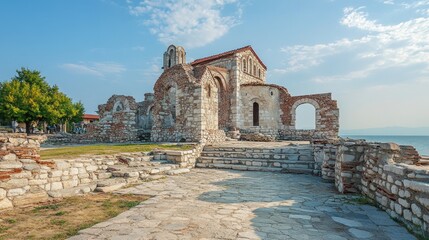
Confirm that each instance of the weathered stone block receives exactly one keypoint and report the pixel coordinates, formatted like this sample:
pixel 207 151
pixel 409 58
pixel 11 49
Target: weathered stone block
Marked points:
pixel 404 203
pixel 56 186
pixel 14 183
pixel 407 214
pixel 417 186
pixel 416 210
pixel 5 204
pixel 15 192
pixel 10 164
pixel 2 193
pixel 30 198
pixel 9 157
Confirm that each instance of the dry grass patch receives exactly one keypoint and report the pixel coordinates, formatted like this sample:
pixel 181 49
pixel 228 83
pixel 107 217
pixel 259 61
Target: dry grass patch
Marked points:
pixel 63 219
pixel 76 151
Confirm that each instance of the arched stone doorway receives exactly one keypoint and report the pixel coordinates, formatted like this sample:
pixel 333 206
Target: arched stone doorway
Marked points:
pixel 255 114
pixel 223 103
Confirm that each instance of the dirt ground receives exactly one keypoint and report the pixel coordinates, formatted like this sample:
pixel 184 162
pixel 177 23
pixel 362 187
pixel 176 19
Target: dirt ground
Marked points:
pixel 62 219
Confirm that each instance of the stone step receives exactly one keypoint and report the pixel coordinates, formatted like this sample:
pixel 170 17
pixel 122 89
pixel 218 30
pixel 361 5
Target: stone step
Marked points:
pixel 135 161
pixel 256 162
pixel 423 162
pixel 124 171
pixel 254 168
pixel 282 150
pixel 275 156
pixel 69 192
pixel 178 171
pixel 110 185
pixel 308 166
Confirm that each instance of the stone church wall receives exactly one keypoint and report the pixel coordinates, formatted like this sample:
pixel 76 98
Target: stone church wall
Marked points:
pixel 269 108
pixel 178 112
pixel 117 120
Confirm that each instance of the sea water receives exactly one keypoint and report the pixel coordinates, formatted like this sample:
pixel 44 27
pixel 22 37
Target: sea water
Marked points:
pixel 421 143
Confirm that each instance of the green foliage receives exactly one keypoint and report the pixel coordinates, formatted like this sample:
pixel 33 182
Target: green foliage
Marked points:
pixel 28 98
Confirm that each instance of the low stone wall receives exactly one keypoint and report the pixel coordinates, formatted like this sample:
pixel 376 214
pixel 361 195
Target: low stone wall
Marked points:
pixel 183 158
pixel 25 179
pixel 325 156
pixel 388 174
pixel 305 135
pixel 289 134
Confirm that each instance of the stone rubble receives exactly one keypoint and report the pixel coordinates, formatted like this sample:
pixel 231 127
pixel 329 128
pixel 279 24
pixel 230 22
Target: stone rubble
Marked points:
pixel 25 179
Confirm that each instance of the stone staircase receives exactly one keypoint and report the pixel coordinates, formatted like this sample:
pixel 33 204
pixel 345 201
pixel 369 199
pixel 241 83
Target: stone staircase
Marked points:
pixel 129 169
pixel 259 157
pixel 133 169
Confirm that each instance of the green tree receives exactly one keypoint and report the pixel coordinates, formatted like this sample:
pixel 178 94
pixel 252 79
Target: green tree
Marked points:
pixel 28 98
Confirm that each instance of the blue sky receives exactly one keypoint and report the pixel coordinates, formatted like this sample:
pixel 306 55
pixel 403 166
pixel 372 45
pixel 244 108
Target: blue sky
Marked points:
pixel 372 55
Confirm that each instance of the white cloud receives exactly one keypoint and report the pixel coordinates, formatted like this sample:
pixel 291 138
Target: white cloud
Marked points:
pixel 358 19
pixel 191 23
pixel 383 46
pixel 95 68
pixel 301 57
pixel 416 4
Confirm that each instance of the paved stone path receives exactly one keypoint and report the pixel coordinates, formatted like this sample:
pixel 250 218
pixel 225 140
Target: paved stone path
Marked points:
pixel 218 204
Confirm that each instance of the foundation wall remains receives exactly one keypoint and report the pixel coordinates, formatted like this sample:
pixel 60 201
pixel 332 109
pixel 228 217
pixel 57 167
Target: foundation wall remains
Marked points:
pixel 388 174
pixel 26 179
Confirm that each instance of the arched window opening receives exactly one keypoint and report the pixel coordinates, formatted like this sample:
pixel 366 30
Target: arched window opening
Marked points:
pixel 119 106
pixel 305 117
pixel 171 55
pixel 254 69
pixel 250 66
pixel 244 65
pixel 255 114
pixel 209 91
pixel 149 122
pixel 259 73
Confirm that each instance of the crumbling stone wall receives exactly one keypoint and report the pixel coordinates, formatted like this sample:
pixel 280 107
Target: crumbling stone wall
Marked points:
pixel 117 120
pixel 186 106
pixel 25 179
pixel 325 157
pixel 277 113
pixel 178 108
pixel 390 175
pixel 327 114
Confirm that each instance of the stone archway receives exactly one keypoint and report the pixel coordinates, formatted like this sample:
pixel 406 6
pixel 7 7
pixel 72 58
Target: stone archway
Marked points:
pixel 310 101
pixel 223 101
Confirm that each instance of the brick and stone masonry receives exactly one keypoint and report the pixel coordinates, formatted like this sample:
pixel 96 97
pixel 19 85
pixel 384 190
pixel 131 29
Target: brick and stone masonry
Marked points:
pixel 207 99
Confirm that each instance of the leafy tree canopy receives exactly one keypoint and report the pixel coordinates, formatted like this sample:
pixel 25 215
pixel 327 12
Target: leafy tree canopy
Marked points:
pixel 28 98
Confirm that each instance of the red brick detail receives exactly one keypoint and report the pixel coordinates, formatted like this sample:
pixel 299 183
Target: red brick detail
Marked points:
pixel 4 175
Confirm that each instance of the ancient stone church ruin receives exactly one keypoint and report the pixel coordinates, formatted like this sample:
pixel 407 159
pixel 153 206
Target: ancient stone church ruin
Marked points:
pixel 210 98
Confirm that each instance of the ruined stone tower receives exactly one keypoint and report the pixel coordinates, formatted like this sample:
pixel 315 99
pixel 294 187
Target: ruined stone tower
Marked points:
pixel 173 56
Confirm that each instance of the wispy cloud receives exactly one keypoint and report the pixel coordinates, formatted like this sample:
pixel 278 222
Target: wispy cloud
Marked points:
pixel 95 69
pixel 301 57
pixel 191 23
pixel 382 47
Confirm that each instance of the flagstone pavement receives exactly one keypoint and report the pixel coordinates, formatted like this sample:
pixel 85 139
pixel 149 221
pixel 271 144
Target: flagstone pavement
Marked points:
pixel 221 204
